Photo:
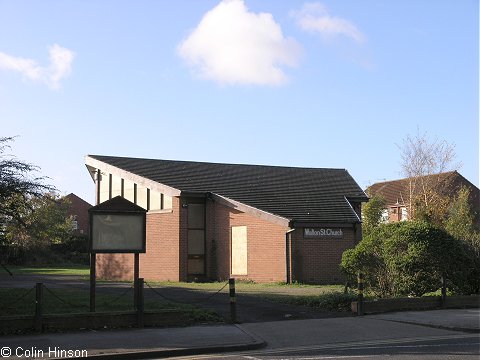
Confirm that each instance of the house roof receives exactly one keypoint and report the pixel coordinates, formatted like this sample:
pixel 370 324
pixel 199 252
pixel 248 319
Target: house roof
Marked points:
pixel 297 194
pixel 78 200
pixel 397 191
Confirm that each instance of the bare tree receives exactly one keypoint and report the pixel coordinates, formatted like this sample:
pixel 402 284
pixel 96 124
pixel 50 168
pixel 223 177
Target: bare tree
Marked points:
pixel 427 164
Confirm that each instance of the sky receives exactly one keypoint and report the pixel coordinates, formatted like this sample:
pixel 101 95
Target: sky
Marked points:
pixel 328 84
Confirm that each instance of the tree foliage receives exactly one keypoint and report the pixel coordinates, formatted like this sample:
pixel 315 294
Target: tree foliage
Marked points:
pixel 372 213
pixel 43 221
pixel 461 225
pixel 17 186
pixel 409 258
pixel 423 161
pixel 460 220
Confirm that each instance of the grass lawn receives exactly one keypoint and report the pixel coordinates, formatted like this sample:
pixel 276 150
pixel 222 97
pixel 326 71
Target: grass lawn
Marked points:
pixel 79 270
pixel 258 289
pixel 322 297
pixel 15 301
pixel 325 297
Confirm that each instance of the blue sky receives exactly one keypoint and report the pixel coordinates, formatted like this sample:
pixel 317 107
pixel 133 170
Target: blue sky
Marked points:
pixel 316 84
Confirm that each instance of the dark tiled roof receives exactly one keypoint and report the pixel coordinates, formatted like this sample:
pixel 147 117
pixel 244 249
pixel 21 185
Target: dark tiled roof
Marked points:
pixel 298 194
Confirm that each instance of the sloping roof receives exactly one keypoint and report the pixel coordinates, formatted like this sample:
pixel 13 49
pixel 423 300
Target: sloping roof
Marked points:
pixel 78 200
pixel 398 190
pixel 298 194
pixel 118 204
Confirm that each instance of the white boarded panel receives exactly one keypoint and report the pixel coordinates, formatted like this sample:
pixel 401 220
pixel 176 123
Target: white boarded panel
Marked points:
pixel 142 197
pixel 116 186
pixel 104 187
pixel 167 202
pixel 239 250
pixel 154 200
pixel 128 190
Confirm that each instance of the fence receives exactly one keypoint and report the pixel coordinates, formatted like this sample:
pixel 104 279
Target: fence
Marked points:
pixel 41 321
pixel 362 307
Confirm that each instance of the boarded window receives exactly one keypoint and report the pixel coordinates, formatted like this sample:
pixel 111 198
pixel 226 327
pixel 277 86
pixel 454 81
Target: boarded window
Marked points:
pixel 239 250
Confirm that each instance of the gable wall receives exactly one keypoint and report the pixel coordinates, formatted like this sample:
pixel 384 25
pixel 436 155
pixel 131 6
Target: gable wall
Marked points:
pixel 266 251
pixel 317 260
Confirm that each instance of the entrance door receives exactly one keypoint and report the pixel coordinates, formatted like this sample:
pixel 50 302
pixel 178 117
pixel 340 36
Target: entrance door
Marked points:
pixel 196 237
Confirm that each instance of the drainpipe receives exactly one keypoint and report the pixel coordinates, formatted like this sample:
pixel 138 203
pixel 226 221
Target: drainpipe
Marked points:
pixel 288 247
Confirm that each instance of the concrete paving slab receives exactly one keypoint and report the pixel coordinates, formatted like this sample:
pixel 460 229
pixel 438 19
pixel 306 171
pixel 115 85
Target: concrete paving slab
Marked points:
pixel 454 319
pixel 133 343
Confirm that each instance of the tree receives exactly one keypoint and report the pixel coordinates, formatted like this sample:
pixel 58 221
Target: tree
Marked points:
pixel 17 186
pixel 42 221
pixel 461 225
pixel 424 163
pixel 372 212
pixel 460 220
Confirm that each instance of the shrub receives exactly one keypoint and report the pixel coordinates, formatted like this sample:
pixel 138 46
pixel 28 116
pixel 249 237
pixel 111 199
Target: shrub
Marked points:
pixel 408 258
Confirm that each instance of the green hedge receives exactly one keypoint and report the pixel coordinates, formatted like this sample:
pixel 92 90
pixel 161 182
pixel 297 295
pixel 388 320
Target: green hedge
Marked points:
pixel 410 258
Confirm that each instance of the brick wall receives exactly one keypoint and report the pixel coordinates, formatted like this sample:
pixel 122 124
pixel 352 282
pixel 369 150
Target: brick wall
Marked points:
pixel 317 260
pixel 160 262
pixel 79 209
pixel 313 260
pixel 265 245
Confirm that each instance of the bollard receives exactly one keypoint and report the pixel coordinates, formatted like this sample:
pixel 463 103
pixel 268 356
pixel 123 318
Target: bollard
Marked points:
pixel 136 273
pixel 38 307
pixel 360 294
pixel 140 303
pixel 233 300
pixel 93 281
pixel 444 292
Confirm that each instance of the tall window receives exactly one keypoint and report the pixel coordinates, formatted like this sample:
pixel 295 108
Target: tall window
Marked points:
pixel 196 236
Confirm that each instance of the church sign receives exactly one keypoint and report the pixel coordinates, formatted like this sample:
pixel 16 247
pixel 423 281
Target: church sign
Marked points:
pixel 323 233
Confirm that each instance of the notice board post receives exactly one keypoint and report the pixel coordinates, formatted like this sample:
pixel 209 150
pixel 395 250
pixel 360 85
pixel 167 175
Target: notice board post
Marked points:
pixel 116 226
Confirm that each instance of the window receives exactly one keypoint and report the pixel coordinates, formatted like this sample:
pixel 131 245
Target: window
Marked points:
pixel 239 250
pixel 385 216
pixel 196 236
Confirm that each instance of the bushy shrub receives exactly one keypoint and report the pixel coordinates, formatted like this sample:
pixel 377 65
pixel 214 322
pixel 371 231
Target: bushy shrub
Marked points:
pixel 471 283
pixel 408 258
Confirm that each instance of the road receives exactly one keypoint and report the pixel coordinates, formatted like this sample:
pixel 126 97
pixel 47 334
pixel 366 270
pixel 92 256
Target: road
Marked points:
pixel 464 347
pixel 355 338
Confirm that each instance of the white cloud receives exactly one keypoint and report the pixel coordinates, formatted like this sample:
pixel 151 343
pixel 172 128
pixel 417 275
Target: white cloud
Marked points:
pixel 60 66
pixel 314 17
pixel 232 45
